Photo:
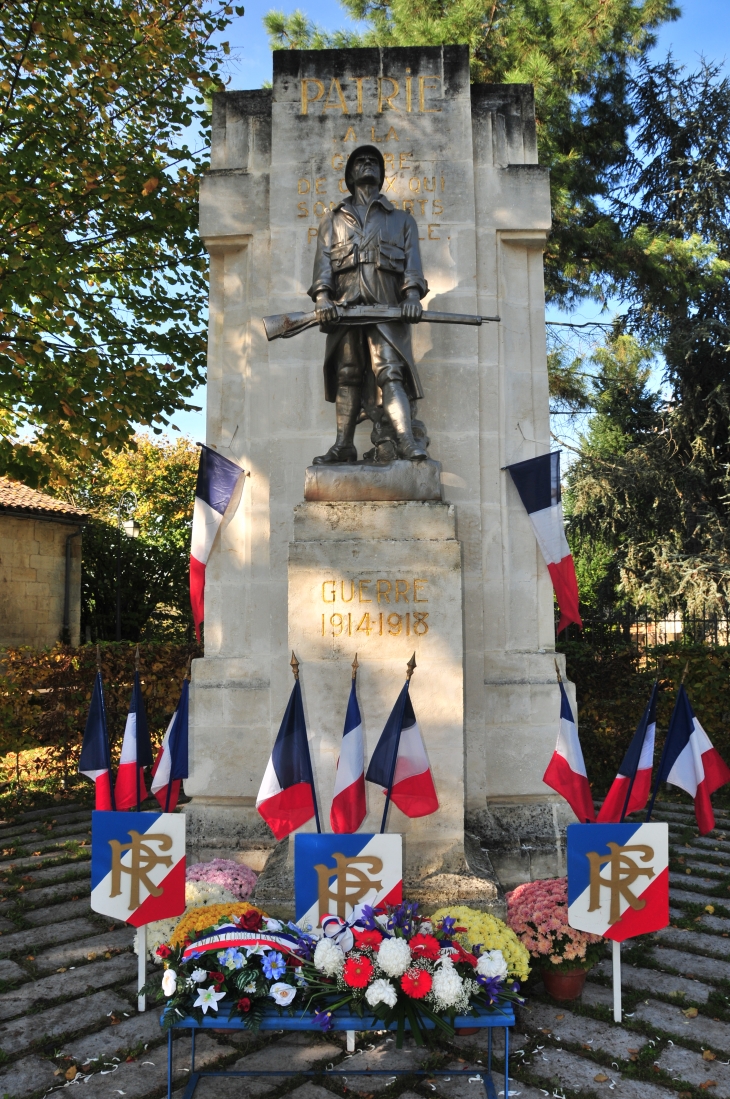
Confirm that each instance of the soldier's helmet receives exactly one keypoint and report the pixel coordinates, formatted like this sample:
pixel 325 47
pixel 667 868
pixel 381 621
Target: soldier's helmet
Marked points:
pixel 353 157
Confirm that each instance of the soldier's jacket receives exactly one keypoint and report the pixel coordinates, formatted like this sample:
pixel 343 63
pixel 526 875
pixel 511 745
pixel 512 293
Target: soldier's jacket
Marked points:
pixel 370 264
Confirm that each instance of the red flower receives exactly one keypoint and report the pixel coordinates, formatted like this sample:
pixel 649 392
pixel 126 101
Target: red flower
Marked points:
pixel 462 955
pixel 163 951
pixel 217 978
pixel 249 921
pixel 416 982
pixel 425 946
pixel 356 972
pixel 367 938
pixel 244 1004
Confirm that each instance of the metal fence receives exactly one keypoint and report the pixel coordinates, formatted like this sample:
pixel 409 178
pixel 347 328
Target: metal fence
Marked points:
pixel 645 629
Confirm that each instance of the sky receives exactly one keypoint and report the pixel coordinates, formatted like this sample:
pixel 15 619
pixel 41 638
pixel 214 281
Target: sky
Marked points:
pixel 703 29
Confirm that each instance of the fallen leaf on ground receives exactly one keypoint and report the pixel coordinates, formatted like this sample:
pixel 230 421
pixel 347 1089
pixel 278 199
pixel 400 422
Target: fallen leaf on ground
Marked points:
pixel 691 1013
pixel 708 1084
pixel 708 1055
pixel 709 908
pixel 559 1017
pixel 71 1073
pixel 600 1078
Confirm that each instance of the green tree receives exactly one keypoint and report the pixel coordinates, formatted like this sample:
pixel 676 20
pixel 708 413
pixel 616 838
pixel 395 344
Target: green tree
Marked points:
pixel 102 273
pixel 154 567
pixel 576 53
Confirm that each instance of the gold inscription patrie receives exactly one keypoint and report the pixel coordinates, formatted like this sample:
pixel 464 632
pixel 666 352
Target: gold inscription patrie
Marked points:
pixel 407 94
pixel 351 884
pixel 623 872
pixel 348 616
pixel 144 859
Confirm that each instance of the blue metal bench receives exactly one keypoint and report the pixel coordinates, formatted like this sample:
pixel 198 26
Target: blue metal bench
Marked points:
pixel 502 1016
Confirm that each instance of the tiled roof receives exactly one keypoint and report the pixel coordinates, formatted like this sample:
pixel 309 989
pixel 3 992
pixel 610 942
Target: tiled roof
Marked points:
pixel 17 497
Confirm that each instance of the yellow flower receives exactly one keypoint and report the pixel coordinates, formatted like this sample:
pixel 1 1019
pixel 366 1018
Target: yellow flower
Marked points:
pixel 208 915
pixel 492 933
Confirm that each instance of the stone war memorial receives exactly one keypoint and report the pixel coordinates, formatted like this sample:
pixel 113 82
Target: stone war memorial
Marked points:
pixel 376 517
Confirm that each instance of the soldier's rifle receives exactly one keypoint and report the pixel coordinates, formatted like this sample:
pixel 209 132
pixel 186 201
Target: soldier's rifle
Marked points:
pixel 285 325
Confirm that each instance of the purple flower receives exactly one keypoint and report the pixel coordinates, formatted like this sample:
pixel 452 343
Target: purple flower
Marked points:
pixel 448 924
pixel 323 1019
pixel 492 987
pixel 367 918
pixel 236 877
pixel 402 917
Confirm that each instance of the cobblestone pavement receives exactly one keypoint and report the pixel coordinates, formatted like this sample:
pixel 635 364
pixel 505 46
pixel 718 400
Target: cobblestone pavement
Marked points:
pixel 68 1013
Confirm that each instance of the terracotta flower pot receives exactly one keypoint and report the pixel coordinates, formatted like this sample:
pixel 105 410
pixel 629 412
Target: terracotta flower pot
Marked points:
pixel 462 1031
pixel 564 986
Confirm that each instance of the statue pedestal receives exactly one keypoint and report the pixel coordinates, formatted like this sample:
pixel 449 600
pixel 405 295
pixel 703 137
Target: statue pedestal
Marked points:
pixel 384 580
pixel 355 481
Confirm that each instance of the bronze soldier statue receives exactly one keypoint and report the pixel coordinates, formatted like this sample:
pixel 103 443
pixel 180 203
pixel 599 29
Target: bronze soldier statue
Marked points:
pixel 367 254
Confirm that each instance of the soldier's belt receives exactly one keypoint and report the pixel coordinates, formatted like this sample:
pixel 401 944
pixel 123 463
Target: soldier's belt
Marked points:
pixel 285 325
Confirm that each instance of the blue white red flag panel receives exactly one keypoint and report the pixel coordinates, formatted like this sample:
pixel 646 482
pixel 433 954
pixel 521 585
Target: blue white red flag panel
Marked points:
pixel 217 480
pixel 566 772
pixel 691 762
pixel 171 765
pixel 618 878
pixel 95 760
pixel 138 866
pixel 349 806
pixel 637 766
pixel 400 757
pixel 136 753
pixel 366 868
pixel 538 483
pixel 286 797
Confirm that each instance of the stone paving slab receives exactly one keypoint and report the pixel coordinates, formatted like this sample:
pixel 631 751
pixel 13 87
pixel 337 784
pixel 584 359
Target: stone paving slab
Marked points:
pixel 563 1026
pixel 112 1040
pixel 693 881
pixel 75 982
pixel 465 1083
pixel 33 937
pixel 40 844
pixel 49 894
pixel 6 925
pixel 148 1074
pixel 692 965
pixel 711 869
pixel 682 896
pixel 39 917
pixel 575 1073
pixel 714 945
pixel 27 1076
pixel 684 1065
pixel 280 1055
pixel 595 995
pixel 702 1030
pixel 652 980
pixel 12 972
pixel 48 859
pixel 71 871
pixel 58 1021
pixel 85 949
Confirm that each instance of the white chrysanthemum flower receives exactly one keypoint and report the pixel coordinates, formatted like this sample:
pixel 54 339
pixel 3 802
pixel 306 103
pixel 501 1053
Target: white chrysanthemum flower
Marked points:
pixel 492 964
pixel 199 975
pixel 328 958
pixel 394 957
pixel 282 993
pixel 381 992
pixel 448 986
pixel 169 982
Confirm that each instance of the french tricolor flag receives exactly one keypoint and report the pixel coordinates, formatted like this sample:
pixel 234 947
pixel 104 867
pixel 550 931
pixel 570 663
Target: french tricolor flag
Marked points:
pixel 349 807
pixel 631 788
pixel 400 765
pixel 171 765
pixel 217 480
pixel 95 759
pixel 286 798
pixel 566 771
pixel 136 754
pixel 538 482
pixel 690 761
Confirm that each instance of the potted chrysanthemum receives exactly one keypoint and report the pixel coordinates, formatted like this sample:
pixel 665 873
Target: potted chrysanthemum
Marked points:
pixel 538 914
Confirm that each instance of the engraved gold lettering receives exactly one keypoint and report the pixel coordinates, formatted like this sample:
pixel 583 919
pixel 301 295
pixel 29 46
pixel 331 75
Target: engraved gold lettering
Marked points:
pixel 311 234
pixel 423 87
pixel 437 207
pixel 322 209
pixel 431 227
pixel 403 160
pixel 350 135
pixel 364 625
pixel 358 81
pixel 408 205
pixel 338 162
pixel 409 93
pixel 420 625
pixel 303 210
pixel 336 624
pixel 395 624
pixel 401 587
pixel 342 184
pixel 389 159
pixel 433 183
pixel 391 134
pixel 422 202
pixel 383 588
pixel 416 585
pixel 414 184
pixel 390 182
pixel 349 598
pixel 363 584
pixel 326 594
pixel 319 188
pixel 340 105
pixel 306 98
pixel 386 100
pixel 303 186
pixel 443 184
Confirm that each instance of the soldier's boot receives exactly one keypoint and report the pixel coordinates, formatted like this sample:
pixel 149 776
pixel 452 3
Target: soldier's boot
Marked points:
pixel 398 408
pixel 347 408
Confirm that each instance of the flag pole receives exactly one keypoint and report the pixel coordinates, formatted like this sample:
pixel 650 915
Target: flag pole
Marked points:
pixel 136 737
pixel 295 672
pixel 410 668
pixel 633 777
pixel 106 730
pixel 664 752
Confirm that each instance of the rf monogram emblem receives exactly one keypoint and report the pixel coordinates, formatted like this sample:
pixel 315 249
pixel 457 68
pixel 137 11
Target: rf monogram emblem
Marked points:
pixel 623 872
pixel 351 882
pixel 144 859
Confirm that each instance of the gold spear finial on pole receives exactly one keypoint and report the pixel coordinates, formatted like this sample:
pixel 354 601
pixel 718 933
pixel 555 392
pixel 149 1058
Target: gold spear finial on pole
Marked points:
pixel 98 657
pixel 684 673
pixel 411 666
pixel 136 659
pixel 557 672
pixel 355 666
pixel 189 668
pixel 294 665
